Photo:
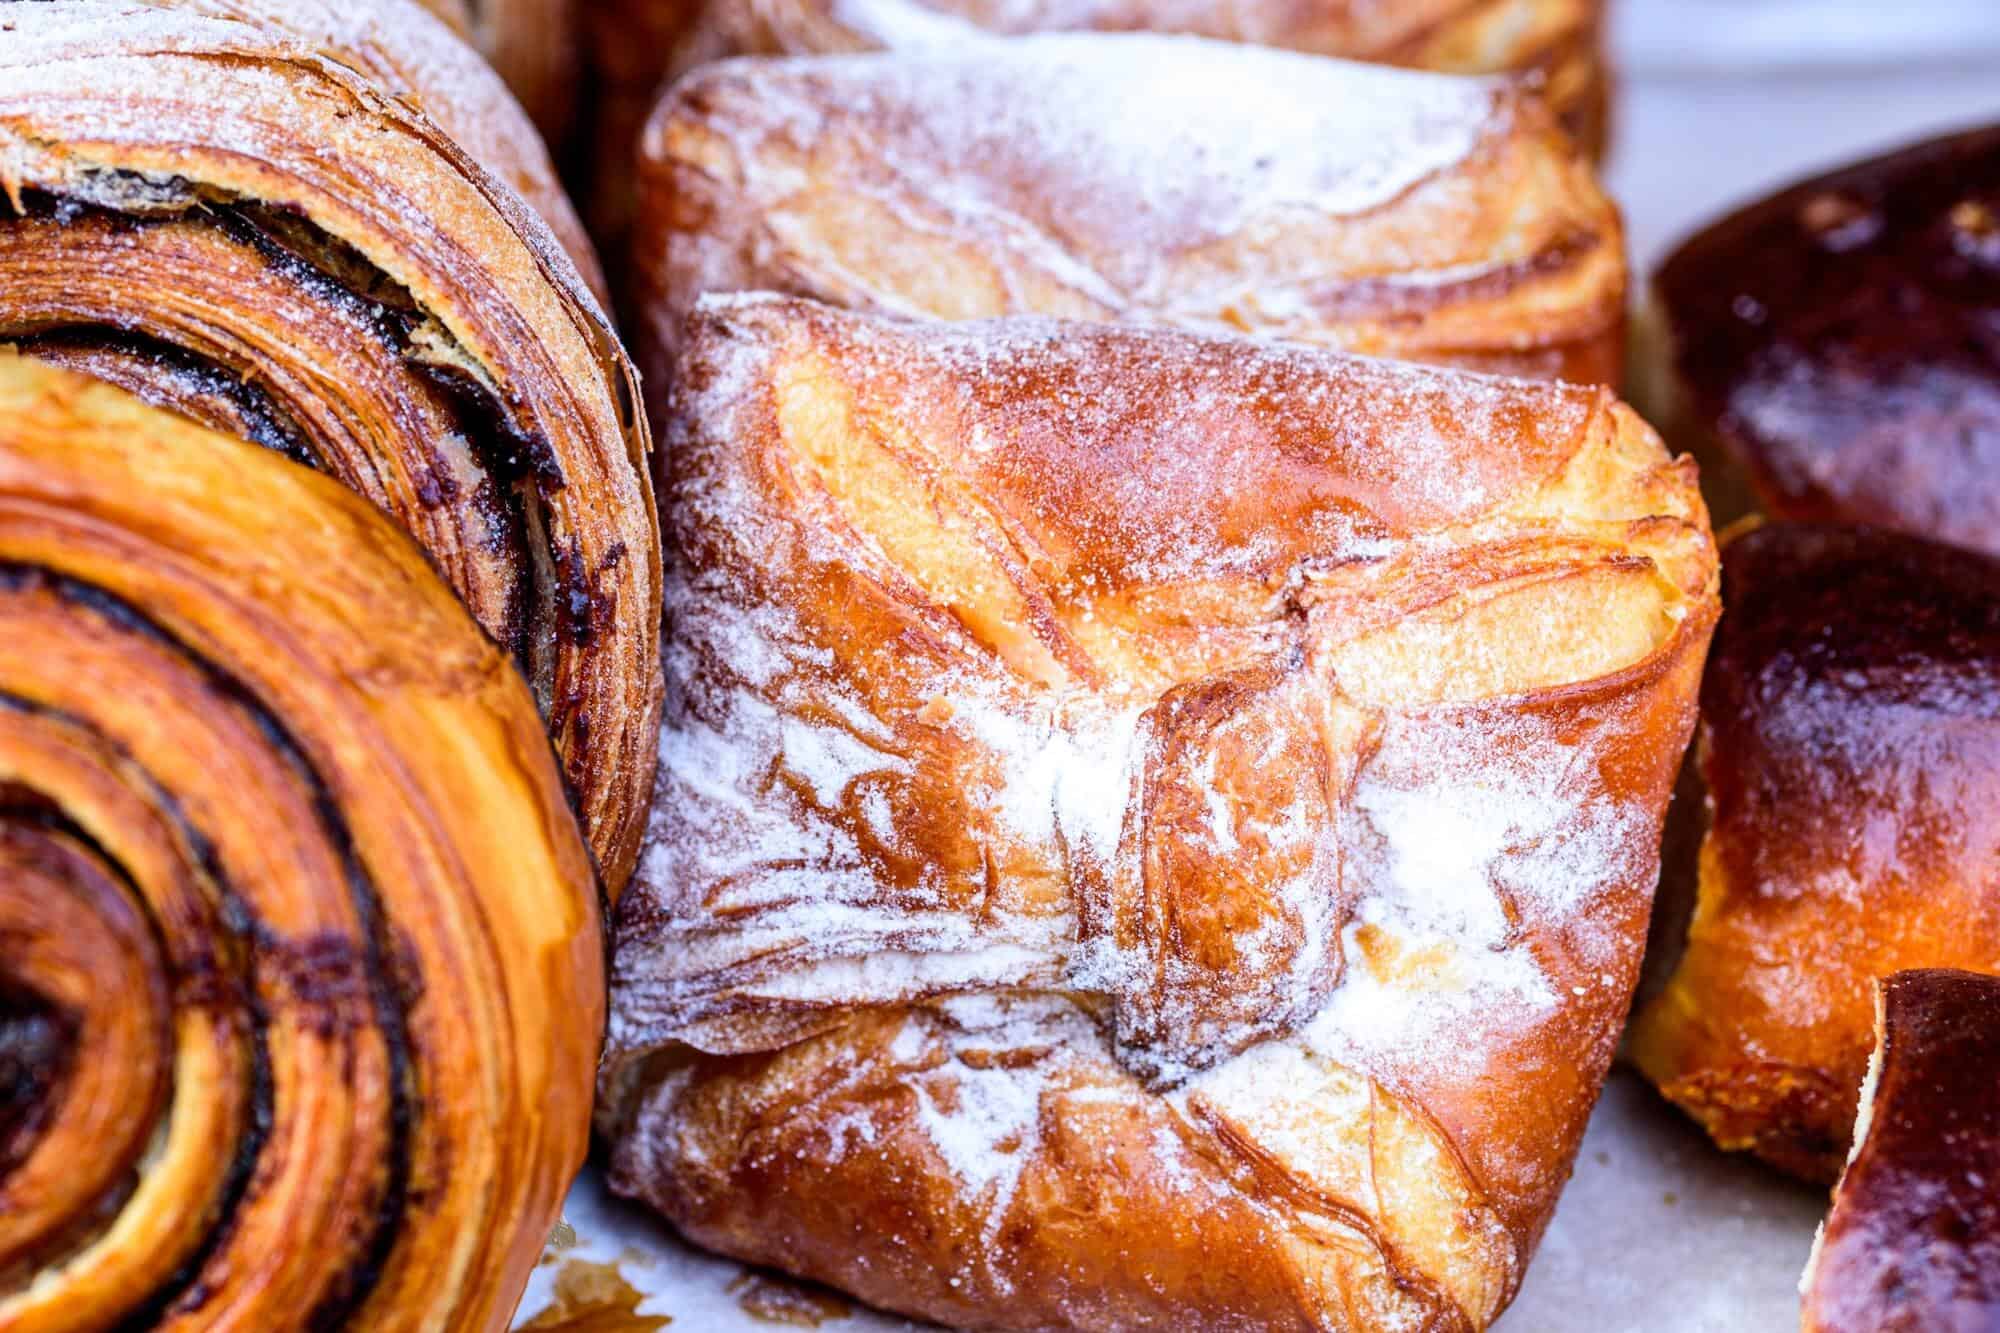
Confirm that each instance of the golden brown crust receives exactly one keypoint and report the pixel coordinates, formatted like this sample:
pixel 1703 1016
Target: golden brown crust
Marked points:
pixel 1912 1244
pixel 639 46
pixel 236 224
pixel 306 1044
pixel 1850 747
pixel 1379 211
pixel 1154 831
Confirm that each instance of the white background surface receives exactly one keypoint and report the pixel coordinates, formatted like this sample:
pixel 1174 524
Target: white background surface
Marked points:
pixel 1719 101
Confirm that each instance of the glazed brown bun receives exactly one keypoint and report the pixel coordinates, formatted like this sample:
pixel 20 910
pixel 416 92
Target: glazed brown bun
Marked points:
pixel 290 1038
pixel 254 231
pixel 1155 832
pixel 1913 1242
pixel 1381 211
pixel 640 46
pixel 1828 353
pixel 1850 749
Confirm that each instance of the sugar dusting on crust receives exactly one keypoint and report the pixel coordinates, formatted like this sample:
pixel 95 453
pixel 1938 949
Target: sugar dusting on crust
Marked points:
pixel 1088 154
pixel 1474 832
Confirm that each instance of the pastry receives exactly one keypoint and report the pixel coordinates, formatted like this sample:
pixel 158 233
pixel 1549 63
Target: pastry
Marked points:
pixel 288 1038
pixel 1154 831
pixel 1829 351
pixel 1913 1242
pixel 533 46
pixel 1850 749
pixel 206 212
pixel 640 46
pixel 1405 214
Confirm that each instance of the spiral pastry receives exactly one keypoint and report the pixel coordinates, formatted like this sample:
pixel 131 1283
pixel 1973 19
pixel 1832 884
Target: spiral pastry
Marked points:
pixel 253 230
pixel 289 1038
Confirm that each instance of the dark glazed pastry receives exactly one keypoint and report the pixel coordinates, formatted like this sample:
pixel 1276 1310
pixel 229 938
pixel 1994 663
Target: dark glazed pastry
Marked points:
pixel 1382 211
pixel 1913 1242
pixel 1850 745
pixel 301 971
pixel 258 232
pixel 1833 353
pixel 1154 831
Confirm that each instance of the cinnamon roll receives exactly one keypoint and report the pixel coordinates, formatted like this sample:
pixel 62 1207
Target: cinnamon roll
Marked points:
pixel 1829 353
pixel 1913 1242
pixel 1849 747
pixel 1382 211
pixel 254 231
pixel 290 1035
pixel 639 46
pixel 1155 831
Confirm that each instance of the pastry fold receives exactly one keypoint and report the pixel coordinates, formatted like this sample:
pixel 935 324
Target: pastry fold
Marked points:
pixel 257 231
pixel 1849 759
pixel 292 1038
pixel 638 47
pixel 1154 831
pixel 1381 211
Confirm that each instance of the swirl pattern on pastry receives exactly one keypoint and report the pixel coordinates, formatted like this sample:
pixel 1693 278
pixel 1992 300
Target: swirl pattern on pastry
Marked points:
pixel 1849 747
pixel 241 226
pixel 1381 211
pixel 288 1037
pixel 1153 831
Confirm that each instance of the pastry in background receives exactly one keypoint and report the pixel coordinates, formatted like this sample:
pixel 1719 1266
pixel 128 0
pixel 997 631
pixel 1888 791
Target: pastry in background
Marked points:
pixel 533 45
pixel 1913 1242
pixel 639 46
pixel 302 985
pixel 1850 749
pixel 258 234
pixel 1155 831
pixel 1137 179
pixel 1830 353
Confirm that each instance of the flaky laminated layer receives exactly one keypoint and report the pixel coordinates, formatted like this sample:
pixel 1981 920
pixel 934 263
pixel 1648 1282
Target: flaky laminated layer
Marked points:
pixel 1111 777
pixel 240 210
pixel 1374 209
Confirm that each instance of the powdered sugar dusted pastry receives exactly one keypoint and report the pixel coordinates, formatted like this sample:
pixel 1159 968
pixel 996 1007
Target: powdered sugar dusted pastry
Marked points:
pixel 640 45
pixel 1154 831
pixel 1913 1242
pixel 1829 352
pixel 532 44
pixel 1141 179
pixel 1850 746
pixel 239 218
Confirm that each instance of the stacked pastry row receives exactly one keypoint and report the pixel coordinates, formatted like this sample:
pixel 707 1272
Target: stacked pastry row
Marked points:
pixel 1830 353
pixel 1155 827
pixel 1038 874
pixel 329 673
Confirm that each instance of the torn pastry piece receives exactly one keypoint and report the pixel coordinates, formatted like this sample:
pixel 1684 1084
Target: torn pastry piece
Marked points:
pixel 250 228
pixel 640 46
pixel 533 45
pixel 1828 352
pixel 1850 749
pixel 1154 831
pixel 1381 211
pixel 291 1039
pixel 1913 1242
